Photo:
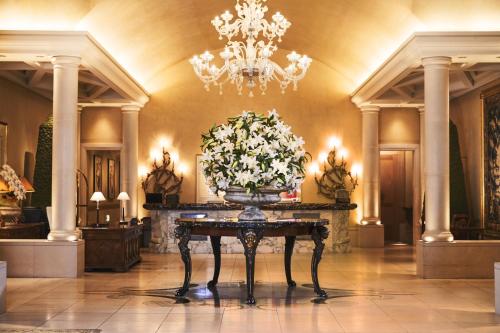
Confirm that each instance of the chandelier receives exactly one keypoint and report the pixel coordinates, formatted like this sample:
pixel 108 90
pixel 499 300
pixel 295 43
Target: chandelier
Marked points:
pixel 248 62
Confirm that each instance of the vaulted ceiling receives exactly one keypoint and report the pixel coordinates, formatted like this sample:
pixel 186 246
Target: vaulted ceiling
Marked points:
pixel 353 37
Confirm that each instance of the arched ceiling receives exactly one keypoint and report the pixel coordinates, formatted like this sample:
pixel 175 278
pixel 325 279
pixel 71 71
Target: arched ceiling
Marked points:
pixel 352 37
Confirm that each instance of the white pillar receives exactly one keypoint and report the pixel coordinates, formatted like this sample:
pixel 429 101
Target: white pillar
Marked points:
pixel 371 230
pixel 130 153
pixel 371 165
pixel 421 113
pixel 437 154
pixel 64 154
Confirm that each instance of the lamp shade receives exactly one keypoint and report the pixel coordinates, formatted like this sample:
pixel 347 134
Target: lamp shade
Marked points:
pixel 97 196
pixel 27 185
pixel 123 196
pixel 4 187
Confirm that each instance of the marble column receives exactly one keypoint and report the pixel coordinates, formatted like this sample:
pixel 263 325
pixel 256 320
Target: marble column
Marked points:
pixel 81 194
pixel 371 168
pixel 130 155
pixel 421 113
pixel 436 152
pixel 64 151
pixel 371 230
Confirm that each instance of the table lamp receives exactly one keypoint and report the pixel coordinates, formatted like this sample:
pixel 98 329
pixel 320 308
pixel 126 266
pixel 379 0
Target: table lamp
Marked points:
pixel 123 196
pixel 97 196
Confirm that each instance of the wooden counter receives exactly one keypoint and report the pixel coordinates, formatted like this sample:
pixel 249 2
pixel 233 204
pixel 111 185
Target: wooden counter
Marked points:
pixel 22 231
pixel 116 249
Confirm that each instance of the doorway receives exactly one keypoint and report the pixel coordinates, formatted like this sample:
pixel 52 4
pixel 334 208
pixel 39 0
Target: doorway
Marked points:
pixel 396 196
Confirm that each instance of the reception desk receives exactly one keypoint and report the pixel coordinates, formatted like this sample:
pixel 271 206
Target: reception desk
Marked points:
pixel 163 225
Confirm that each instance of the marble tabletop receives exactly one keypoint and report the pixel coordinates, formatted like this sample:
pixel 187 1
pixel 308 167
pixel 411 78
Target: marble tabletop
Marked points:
pixel 229 206
pixel 234 223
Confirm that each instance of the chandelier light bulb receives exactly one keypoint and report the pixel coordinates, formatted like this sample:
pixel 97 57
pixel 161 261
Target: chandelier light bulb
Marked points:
pixel 356 170
pixel 334 142
pixel 247 62
pixel 314 168
pixel 323 157
pixel 343 153
pixel 174 156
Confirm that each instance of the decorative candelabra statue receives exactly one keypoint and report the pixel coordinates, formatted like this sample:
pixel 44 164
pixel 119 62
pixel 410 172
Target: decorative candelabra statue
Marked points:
pixel 336 182
pixel 162 179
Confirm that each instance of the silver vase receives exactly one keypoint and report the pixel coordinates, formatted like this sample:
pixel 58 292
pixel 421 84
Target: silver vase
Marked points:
pixel 253 202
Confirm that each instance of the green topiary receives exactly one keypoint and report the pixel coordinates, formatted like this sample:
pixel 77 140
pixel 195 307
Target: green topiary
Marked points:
pixel 42 180
pixel 458 198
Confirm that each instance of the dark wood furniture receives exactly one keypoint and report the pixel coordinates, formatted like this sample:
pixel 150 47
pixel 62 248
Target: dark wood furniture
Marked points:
pixel 250 233
pixel 116 249
pixel 22 231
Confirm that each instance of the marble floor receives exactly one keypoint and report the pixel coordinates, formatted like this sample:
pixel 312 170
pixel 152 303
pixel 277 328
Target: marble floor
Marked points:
pixel 369 291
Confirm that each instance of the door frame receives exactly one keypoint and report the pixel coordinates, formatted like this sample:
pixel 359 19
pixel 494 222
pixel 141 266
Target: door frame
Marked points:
pixel 84 148
pixel 416 182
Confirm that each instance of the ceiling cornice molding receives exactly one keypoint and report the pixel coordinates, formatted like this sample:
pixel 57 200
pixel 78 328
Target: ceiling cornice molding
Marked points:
pixel 409 56
pixel 30 45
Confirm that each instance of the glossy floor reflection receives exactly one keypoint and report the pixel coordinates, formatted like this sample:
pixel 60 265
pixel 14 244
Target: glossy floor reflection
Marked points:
pixel 370 291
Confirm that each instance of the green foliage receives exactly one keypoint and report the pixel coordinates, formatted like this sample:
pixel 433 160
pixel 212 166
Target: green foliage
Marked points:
pixel 458 198
pixel 42 181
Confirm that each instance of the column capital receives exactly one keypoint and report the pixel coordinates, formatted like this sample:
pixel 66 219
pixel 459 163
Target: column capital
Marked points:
pixel 438 61
pixel 421 110
pixel 369 108
pixel 66 61
pixel 79 108
pixel 130 108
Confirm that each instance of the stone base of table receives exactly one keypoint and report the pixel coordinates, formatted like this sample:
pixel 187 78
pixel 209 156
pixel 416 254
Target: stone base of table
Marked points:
pixel 163 236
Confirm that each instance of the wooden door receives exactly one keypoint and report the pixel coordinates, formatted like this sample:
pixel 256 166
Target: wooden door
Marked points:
pixel 392 195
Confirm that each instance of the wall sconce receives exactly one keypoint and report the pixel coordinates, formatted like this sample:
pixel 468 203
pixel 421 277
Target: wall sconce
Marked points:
pixel 97 196
pixel 336 182
pixel 161 182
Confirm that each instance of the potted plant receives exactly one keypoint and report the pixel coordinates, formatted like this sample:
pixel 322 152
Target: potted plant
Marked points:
pixel 253 158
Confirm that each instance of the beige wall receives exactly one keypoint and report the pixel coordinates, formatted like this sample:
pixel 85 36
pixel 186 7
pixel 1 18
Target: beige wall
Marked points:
pixel 101 125
pixel 184 110
pixel 399 126
pixel 23 111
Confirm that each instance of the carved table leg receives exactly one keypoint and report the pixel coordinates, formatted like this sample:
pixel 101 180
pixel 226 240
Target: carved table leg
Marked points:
pixel 289 243
pixel 250 239
pixel 183 234
pixel 318 235
pixel 215 240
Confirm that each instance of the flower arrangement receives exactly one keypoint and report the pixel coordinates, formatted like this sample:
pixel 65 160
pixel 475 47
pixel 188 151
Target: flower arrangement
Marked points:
pixel 253 151
pixel 15 185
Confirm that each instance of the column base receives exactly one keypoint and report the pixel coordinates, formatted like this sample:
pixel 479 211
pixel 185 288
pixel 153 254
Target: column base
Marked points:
pixel 462 259
pixel 371 236
pixel 41 258
pixel 63 235
pixel 437 236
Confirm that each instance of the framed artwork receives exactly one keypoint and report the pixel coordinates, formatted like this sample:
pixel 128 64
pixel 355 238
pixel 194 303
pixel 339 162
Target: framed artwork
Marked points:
pixel 3 143
pixel 203 193
pixel 111 179
pixel 97 173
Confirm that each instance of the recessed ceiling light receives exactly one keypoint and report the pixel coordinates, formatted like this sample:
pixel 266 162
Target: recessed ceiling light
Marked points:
pixel 498 57
pixel 462 57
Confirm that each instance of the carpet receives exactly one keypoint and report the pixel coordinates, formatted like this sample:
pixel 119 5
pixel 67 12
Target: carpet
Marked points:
pixel 47 330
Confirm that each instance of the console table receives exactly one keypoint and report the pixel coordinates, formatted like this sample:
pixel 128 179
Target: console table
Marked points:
pixel 249 234
pixel 111 248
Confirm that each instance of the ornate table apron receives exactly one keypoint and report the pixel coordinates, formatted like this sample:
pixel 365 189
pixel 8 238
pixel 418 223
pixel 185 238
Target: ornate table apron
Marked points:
pixel 250 234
